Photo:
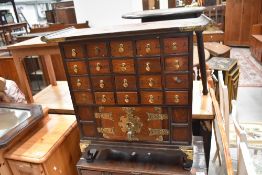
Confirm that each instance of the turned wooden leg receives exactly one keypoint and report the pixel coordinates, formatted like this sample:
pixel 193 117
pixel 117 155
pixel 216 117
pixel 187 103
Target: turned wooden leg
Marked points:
pixel 50 70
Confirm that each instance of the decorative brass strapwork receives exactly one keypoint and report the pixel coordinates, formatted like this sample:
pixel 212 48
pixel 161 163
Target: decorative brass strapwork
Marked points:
pixel 83 145
pixel 148 66
pixel 177 66
pixel 174 46
pixel 157 115
pixel 188 151
pixel 98 66
pixel 130 123
pixel 123 67
pixel 106 130
pixel 73 52
pixel 121 48
pixel 106 116
pixel 75 67
pixel 148 48
pixel 78 83
pixel 158 132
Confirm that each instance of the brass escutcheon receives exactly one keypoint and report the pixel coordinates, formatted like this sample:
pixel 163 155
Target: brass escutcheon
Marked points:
pixel 78 83
pixel 150 82
pixel 121 48
pixel 177 66
pixel 125 84
pixel 148 48
pixel 174 46
pixel 101 84
pixel 97 50
pixel 123 67
pixel 126 99
pixel 176 98
pixel 73 52
pixel 177 80
pixel 148 66
pixel 103 98
pixel 98 66
pixel 151 99
pixel 75 67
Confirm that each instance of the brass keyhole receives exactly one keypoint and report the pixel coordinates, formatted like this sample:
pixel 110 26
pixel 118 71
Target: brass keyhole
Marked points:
pixel 78 82
pixel 103 98
pixel 174 46
pixel 121 48
pixel 98 66
pixel 176 97
pixel 177 66
pixel 75 67
pixel 150 82
pixel 125 84
pixel 151 99
pixel 148 48
pixel 126 99
pixel 73 52
pixel 101 84
pixel 148 66
pixel 123 67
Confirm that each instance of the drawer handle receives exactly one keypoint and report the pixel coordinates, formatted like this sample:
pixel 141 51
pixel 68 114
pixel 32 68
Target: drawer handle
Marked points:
pixel 73 52
pixel 148 66
pixel 127 99
pixel 174 46
pixel 103 98
pixel 151 82
pixel 151 99
pixel 98 66
pixel 75 67
pixel 125 84
pixel 78 83
pixel 148 48
pixel 97 51
pixel 176 98
pixel 121 48
pixel 123 67
pixel 177 66
pixel 177 80
pixel 101 84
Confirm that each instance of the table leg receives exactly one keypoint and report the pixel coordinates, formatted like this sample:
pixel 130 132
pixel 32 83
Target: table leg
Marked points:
pixel 50 70
pixel 202 61
pixel 23 80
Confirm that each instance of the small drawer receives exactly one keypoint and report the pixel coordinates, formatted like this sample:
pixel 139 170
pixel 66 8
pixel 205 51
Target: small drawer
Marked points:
pixel 181 134
pixel 85 113
pixel 175 45
pixel 176 64
pixel 177 97
pixel 177 81
pixel 102 83
pixel 123 66
pixel 121 48
pixel 99 66
pixel 151 97
pixel 127 97
pixel 150 81
pixel 80 83
pixel 148 47
pixel 181 115
pixel 73 51
pixel 89 129
pixel 83 98
pixel 125 82
pixel 104 98
pixel 77 67
pixel 149 65
pixel 96 49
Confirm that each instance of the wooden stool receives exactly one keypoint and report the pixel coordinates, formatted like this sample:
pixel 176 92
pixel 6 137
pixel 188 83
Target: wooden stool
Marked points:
pixel 217 49
pixel 196 59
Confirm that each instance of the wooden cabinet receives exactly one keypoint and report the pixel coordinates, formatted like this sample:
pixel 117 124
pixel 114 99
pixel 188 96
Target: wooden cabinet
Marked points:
pixel 240 16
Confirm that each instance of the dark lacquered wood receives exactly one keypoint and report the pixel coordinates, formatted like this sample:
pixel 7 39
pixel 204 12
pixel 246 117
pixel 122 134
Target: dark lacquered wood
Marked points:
pixel 180 134
pixel 99 66
pixel 127 98
pixel 148 47
pixel 80 83
pixel 102 83
pixel 180 115
pixel 176 81
pixel 177 97
pixel 104 98
pixel 83 98
pixel 73 51
pixel 85 114
pixel 175 45
pixel 150 81
pixel 154 97
pixel 89 129
pixel 149 65
pixel 121 48
pixel 125 82
pixel 77 67
pixel 123 66
pixel 179 63
pixel 97 49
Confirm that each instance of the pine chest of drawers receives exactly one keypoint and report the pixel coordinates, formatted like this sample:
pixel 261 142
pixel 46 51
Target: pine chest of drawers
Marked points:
pixel 131 87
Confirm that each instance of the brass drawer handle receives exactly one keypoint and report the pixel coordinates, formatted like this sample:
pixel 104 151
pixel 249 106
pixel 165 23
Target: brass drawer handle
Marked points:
pixel 75 67
pixel 121 48
pixel 123 67
pixel 73 52
pixel 177 80
pixel 148 66
pixel 148 48
pixel 151 99
pixel 98 66
pixel 176 99
pixel 151 82
pixel 174 46
pixel 78 83
pixel 97 51
pixel 177 66
pixel 127 99
pixel 101 84
pixel 125 84
pixel 103 98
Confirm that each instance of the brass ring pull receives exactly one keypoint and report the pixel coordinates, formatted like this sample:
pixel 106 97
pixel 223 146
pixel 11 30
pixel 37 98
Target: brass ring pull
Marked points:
pixel 148 66
pixel 148 48
pixel 127 99
pixel 174 46
pixel 78 83
pixel 123 67
pixel 177 80
pixel 75 67
pixel 121 48
pixel 176 98
pixel 97 50
pixel 98 66
pixel 151 82
pixel 151 99
pixel 101 84
pixel 177 66
pixel 73 52
pixel 125 84
pixel 103 98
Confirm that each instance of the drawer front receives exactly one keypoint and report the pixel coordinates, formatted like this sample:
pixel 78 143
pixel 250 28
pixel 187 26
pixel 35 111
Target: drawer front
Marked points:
pixel 181 134
pixel 176 64
pixel 177 97
pixel 80 83
pixel 83 98
pixel 125 82
pixel 148 47
pixel 102 83
pixel 77 67
pixel 127 98
pixel 121 48
pixel 175 45
pixel 85 113
pixel 97 49
pixel 181 115
pixel 99 66
pixel 123 66
pixel 24 168
pixel 104 98
pixel 149 65
pixel 89 129
pixel 177 81
pixel 151 97
pixel 150 81
pixel 73 51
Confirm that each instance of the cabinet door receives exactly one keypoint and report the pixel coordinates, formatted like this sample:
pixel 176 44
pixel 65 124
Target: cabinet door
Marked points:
pixel 24 168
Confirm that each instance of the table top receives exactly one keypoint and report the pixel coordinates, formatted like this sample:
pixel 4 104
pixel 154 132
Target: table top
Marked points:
pixel 216 48
pixel 13 25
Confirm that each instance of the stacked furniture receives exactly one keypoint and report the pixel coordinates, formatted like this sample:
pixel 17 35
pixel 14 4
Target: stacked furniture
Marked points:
pixel 256 42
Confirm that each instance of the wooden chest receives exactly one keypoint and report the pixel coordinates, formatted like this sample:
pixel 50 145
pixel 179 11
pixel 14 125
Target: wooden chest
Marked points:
pixel 131 87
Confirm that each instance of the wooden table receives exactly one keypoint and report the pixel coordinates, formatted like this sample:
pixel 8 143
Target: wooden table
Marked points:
pixel 8 28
